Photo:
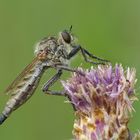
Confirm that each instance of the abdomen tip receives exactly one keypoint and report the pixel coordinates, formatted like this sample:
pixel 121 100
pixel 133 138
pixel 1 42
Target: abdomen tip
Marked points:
pixel 2 118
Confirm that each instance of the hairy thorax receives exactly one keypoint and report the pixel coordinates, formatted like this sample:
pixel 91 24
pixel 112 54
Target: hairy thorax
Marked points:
pixel 51 52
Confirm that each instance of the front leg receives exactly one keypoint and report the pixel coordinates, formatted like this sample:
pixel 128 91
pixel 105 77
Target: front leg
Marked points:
pixel 93 56
pixel 84 52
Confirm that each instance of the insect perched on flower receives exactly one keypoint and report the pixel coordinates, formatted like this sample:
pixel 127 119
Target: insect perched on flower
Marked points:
pixel 51 52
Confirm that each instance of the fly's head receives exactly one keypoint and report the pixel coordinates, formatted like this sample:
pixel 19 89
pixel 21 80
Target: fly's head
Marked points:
pixel 65 37
pixel 45 49
pixel 67 40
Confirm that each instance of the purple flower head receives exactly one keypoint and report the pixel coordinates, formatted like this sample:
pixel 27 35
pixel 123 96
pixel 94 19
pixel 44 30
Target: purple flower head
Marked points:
pixel 102 98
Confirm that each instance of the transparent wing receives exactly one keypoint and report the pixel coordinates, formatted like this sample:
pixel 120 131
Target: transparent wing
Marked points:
pixel 21 76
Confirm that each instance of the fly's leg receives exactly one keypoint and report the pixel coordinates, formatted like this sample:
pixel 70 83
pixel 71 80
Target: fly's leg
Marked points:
pixel 90 61
pixel 63 67
pixel 93 56
pixel 60 93
pixel 78 48
pixel 50 82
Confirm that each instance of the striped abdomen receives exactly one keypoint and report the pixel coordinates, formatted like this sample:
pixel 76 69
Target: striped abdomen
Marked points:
pixel 23 89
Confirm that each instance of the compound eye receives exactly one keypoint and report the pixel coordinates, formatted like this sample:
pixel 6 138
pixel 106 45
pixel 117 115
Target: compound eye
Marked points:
pixel 66 37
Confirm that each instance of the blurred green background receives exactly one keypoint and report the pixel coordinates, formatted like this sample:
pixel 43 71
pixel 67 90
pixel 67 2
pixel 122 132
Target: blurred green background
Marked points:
pixel 110 29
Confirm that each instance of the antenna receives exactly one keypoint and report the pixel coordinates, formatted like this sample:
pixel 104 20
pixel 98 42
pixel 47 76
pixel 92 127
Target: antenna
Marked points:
pixel 70 29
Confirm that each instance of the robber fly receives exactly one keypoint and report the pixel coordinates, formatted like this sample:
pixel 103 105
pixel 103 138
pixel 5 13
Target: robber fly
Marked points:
pixel 51 52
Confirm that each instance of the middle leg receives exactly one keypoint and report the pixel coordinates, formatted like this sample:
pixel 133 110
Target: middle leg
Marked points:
pixel 50 82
